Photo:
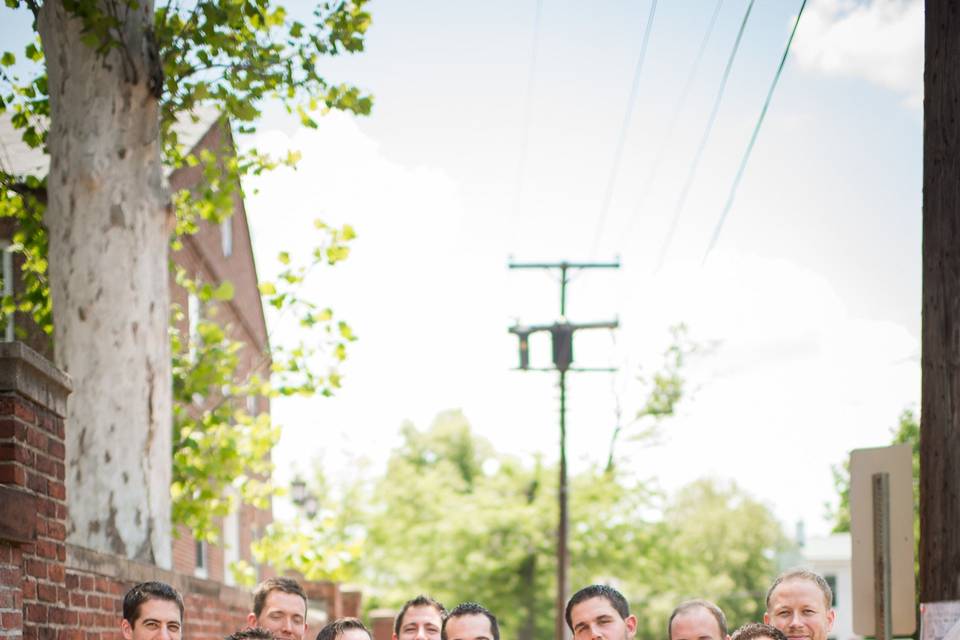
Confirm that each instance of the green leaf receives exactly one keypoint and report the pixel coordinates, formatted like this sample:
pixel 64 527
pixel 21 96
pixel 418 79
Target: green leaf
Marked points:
pixel 7 59
pixel 224 291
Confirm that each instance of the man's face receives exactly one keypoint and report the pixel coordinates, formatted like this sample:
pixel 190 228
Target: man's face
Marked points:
pixel 420 623
pixel 284 615
pixel 473 626
pixel 798 609
pixel 696 624
pixel 596 618
pixel 157 620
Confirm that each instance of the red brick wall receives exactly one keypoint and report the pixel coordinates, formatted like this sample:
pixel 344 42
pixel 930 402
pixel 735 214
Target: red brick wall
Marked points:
pixel 33 495
pixel 53 591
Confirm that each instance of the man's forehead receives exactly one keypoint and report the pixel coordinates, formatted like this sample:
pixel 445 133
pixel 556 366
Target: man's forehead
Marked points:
pixel 472 620
pixel 422 613
pixel 697 615
pixel 159 609
pixel 278 599
pixel 592 607
pixel 798 589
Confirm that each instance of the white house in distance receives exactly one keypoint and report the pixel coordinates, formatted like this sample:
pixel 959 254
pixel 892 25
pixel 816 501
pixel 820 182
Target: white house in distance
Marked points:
pixel 830 556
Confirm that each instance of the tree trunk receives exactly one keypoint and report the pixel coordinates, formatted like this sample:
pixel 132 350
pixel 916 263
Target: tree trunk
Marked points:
pixel 940 404
pixel 108 269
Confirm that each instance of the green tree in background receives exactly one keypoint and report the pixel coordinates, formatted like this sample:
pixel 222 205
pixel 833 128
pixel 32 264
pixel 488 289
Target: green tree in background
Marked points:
pixel 907 431
pixel 453 517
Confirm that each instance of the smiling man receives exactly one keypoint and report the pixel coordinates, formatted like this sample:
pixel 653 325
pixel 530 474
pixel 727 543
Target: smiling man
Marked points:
pixel 470 621
pixel 599 611
pixel 697 620
pixel 152 611
pixel 799 603
pixel 420 619
pixel 280 607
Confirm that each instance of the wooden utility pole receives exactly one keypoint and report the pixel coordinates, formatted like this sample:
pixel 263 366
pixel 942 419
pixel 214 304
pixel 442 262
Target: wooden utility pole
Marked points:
pixel 940 393
pixel 561 333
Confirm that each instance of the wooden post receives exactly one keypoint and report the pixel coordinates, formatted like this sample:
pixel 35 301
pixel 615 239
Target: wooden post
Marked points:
pixel 940 398
pixel 883 614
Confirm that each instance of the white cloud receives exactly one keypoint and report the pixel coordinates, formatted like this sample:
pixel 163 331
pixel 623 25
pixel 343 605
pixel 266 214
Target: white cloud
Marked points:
pixel 878 40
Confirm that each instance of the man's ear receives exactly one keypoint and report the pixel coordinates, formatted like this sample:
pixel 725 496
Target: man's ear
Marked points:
pixel 766 618
pixel 252 619
pixel 631 622
pixel 831 616
pixel 126 629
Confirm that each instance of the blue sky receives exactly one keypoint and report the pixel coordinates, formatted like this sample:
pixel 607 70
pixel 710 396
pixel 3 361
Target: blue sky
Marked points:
pixel 811 298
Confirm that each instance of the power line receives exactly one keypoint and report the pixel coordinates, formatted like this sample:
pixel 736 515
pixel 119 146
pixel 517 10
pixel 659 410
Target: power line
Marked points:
pixel 753 138
pixel 681 201
pixel 621 139
pixel 525 140
pixel 681 104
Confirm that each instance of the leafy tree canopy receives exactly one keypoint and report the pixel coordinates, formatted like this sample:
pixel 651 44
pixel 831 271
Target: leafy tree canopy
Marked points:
pixel 232 56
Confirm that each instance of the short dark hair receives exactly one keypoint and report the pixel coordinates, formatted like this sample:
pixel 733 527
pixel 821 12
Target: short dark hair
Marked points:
pixel 471 609
pixel 419 601
pixel 800 573
pixel 332 630
pixel 698 603
pixel 144 591
pixel 250 633
pixel 614 597
pixel 755 630
pixel 287 585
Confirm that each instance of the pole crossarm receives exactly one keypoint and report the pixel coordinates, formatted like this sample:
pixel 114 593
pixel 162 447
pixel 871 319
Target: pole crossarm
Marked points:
pixel 561 333
pixel 564 265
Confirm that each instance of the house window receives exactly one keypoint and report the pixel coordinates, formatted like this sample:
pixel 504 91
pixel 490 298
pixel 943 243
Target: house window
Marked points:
pixel 832 581
pixel 6 289
pixel 231 541
pixel 201 560
pixel 193 322
pixel 226 236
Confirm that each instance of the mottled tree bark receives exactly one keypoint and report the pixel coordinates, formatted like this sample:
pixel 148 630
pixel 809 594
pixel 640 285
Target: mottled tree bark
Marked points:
pixel 940 405
pixel 108 269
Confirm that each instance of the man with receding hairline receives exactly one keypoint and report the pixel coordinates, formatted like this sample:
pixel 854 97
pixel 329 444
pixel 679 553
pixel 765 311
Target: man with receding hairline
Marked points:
pixel 697 620
pixel 800 604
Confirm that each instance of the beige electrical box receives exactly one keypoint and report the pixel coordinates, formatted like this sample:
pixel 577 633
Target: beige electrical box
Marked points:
pixel 897 461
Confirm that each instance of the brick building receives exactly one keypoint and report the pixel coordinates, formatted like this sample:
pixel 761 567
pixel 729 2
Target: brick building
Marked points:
pixel 54 588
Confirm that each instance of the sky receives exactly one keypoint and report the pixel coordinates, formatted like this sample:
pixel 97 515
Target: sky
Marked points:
pixel 495 134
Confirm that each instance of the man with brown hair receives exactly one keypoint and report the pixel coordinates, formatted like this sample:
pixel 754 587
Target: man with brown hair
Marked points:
pixel 600 611
pixel 757 631
pixel 421 618
pixel 800 604
pixel 280 607
pixel 152 611
pixel 345 629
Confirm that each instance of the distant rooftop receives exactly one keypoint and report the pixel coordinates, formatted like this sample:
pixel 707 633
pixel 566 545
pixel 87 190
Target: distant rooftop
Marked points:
pixel 836 546
pixel 18 158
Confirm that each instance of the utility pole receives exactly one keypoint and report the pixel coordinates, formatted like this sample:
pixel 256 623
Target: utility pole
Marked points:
pixel 561 333
pixel 940 341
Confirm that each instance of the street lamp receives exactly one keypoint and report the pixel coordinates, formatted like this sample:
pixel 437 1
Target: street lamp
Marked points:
pixel 303 498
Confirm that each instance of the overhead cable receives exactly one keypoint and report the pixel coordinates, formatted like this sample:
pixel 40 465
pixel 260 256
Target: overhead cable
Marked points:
pixel 621 139
pixel 681 104
pixel 525 139
pixel 753 138
pixel 684 192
